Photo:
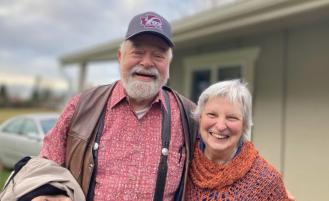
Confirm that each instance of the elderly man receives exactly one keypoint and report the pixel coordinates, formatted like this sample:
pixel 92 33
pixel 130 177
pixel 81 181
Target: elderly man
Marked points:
pixel 130 140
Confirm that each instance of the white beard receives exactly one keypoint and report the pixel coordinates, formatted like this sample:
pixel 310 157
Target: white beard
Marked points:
pixel 140 90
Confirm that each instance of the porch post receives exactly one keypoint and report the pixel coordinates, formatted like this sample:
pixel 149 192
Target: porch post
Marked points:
pixel 82 76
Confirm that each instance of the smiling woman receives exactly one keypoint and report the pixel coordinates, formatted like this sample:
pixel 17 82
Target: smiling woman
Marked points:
pixel 226 165
pixel 221 129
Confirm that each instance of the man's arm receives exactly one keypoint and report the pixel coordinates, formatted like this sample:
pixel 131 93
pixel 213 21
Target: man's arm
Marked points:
pixel 54 143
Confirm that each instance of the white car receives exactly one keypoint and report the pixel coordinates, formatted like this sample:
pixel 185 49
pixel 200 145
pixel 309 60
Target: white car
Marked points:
pixel 22 136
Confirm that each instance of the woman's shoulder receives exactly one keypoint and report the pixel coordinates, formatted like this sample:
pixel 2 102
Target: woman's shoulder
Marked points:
pixel 268 180
pixel 262 168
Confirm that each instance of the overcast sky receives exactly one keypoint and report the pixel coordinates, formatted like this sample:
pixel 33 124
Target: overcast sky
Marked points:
pixel 34 33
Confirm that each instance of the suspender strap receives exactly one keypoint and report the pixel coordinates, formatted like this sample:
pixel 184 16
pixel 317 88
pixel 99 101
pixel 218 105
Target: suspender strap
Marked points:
pixel 165 141
pixel 165 138
pixel 99 131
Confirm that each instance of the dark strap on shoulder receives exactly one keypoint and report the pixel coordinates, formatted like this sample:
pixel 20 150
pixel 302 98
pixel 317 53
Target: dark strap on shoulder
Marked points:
pixel 165 139
pixel 99 131
pixel 85 124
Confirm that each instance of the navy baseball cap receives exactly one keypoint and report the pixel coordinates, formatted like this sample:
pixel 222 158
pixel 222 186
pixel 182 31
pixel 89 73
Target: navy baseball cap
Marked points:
pixel 150 22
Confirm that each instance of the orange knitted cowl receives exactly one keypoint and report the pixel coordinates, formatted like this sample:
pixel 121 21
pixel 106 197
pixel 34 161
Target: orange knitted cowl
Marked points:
pixel 207 174
pixel 247 177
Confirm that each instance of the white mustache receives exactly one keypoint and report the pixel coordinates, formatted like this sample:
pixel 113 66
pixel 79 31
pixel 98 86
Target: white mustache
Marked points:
pixel 150 71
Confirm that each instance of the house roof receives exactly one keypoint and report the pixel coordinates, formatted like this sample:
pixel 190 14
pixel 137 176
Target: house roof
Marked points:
pixel 233 20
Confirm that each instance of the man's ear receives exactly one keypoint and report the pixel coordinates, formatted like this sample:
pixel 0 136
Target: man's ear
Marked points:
pixel 119 56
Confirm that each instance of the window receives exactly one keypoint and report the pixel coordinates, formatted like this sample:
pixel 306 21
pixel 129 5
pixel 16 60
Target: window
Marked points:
pixel 204 70
pixel 47 124
pixel 14 126
pixel 229 73
pixel 29 127
pixel 200 81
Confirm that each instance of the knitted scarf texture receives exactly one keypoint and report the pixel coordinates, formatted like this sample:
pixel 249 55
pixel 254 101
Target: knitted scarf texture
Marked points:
pixel 247 177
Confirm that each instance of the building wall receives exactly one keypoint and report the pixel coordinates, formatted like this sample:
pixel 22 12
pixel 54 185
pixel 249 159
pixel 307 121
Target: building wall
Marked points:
pixel 307 114
pixel 291 102
pixel 268 97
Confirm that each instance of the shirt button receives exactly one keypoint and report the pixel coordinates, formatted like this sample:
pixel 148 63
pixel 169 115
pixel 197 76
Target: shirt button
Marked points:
pixel 165 151
pixel 95 146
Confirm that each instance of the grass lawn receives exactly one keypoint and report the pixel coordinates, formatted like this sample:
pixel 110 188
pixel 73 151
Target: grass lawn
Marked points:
pixel 3 177
pixel 6 113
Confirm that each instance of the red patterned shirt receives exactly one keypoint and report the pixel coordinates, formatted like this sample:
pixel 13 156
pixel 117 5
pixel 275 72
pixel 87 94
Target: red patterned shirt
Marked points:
pixel 129 151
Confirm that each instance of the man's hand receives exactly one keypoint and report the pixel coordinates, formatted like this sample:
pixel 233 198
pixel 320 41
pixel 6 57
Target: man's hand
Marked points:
pixel 52 198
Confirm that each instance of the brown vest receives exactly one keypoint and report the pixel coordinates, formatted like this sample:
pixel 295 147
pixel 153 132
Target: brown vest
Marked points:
pixel 81 134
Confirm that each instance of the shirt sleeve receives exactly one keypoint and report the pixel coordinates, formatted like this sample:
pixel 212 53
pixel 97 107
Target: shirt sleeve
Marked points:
pixel 54 142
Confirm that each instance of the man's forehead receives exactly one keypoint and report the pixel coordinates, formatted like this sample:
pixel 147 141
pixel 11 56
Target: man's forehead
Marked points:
pixel 149 40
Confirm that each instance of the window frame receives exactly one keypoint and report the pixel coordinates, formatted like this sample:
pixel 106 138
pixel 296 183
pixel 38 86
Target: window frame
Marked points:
pixel 244 57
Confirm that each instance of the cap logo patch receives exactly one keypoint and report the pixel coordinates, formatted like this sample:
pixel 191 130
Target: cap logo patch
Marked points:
pixel 151 21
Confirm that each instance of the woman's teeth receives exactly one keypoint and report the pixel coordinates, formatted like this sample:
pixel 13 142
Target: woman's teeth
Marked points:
pixel 217 135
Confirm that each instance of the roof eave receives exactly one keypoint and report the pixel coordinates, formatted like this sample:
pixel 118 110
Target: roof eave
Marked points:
pixel 220 21
pixel 242 15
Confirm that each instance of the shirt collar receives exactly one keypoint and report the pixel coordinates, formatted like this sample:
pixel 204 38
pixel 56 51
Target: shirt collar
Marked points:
pixel 119 95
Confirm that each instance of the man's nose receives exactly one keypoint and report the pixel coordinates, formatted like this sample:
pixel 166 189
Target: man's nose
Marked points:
pixel 147 61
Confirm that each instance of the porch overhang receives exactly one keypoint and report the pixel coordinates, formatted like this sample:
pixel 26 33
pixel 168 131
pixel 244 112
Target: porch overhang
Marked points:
pixel 243 17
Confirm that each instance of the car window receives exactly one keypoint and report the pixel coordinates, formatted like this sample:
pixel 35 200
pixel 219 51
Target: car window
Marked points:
pixel 29 127
pixel 13 126
pixel 47 124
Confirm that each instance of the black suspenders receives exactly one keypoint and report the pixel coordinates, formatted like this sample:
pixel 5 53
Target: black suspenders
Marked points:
pixel 99 130
pixel 165 141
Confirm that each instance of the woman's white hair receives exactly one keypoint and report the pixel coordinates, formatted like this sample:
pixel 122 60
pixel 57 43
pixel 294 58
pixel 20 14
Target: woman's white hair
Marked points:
pixel 236 92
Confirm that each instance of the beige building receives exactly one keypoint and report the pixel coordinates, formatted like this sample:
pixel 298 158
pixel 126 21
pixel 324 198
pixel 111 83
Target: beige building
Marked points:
pixel 281 48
